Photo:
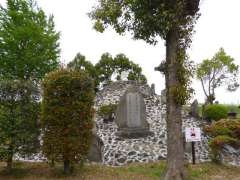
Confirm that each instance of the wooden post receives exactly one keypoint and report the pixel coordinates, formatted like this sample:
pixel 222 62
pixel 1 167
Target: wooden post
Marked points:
pixel 193 153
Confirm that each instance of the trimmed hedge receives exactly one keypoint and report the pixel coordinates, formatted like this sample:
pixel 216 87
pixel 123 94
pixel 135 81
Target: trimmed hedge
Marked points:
pixel 215 112
pixel 67 116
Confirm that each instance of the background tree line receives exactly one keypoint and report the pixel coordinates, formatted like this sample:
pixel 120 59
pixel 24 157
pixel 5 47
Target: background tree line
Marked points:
pixel 108 69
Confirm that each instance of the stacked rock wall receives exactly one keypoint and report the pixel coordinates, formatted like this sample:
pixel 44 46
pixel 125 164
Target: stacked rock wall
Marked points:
pixel 119 151
pixel 230 155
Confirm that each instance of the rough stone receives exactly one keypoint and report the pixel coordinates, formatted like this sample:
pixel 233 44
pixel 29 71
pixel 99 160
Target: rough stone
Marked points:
pixel 95 153
pixel 132 153
pixel 122 159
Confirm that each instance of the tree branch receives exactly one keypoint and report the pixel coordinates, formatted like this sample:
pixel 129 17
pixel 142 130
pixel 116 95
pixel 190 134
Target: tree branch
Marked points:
pixel 203 88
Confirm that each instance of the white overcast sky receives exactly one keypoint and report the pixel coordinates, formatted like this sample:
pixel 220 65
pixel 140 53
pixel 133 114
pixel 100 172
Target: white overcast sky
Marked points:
pixel 217 27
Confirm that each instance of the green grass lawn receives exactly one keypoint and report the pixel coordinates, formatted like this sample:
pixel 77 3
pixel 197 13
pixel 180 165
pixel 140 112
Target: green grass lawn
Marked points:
pixel 151 171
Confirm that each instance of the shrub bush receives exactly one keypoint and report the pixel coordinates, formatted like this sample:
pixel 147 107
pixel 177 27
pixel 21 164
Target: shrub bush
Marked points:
pixel 67 116
pixel 223 132
pixel 107 111
pixel 215 112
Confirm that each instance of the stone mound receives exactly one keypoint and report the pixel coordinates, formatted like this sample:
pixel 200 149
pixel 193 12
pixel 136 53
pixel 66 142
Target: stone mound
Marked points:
pixel 120 151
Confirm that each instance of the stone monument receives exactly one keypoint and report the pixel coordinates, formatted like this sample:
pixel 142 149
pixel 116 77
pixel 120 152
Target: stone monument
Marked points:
pixel 131 115
pixel 194 109
pixel 164 96
pixel 153 88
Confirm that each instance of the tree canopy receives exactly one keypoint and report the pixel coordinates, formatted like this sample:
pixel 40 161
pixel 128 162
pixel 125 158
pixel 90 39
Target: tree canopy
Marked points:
pixel 29 48
pixel 80 63
pixel 108 68
pixel 29 44
pixel 218 71
pixel 19 120
pixel 145 19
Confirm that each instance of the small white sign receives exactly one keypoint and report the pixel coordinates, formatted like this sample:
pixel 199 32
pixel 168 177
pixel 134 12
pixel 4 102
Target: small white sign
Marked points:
pixel 193 134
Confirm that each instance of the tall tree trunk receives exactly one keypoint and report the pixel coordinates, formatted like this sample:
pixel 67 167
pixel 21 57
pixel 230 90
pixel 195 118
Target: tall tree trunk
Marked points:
pixel 9 161
pixel 210 99
pixel 52 163
pixel 175 149
pixel 67 169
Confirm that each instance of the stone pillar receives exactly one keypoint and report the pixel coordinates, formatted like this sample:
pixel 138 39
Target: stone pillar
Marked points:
pixel 153 88
pixel 194 109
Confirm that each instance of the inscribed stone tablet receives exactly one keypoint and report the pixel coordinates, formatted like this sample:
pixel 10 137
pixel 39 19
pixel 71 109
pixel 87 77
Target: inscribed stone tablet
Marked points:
pixel 133 110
